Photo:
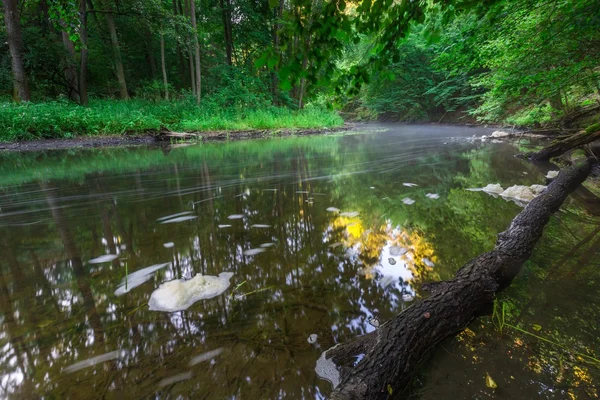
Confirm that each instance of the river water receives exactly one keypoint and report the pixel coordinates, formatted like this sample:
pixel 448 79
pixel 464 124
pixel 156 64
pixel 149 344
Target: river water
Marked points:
pixel 79 230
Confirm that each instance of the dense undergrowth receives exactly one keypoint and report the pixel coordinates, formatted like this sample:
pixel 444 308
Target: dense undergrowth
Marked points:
pixel 62 119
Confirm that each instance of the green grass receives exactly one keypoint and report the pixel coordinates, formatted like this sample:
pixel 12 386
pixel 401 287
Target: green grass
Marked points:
pixel 50 120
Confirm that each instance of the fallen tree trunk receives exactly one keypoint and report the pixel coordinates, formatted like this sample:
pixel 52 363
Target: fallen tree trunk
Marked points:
pixel 559 147
pixel 393 351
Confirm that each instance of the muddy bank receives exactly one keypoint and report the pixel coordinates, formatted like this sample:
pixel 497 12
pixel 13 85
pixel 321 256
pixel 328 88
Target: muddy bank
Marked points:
pixel 162 138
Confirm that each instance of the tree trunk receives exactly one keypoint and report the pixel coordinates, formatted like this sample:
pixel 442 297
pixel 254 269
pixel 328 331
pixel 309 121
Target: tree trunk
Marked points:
pixel 70 68
pixel 150 54
pixel 15 45
pixel 227 30
pixel 197 52
pixel 83 94
pixel 112 29
pixel 393 351
pixel 163 65
pixel 303 80
pixel 559 147
pixel 278 13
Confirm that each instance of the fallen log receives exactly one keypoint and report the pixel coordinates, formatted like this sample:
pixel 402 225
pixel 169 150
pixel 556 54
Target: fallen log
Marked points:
pixel 561 146
pixel 392 352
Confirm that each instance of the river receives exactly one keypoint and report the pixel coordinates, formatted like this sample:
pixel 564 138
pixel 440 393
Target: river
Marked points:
pixel 325 237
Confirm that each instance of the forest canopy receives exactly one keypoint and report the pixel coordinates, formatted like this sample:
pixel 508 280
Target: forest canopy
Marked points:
pixel 520 62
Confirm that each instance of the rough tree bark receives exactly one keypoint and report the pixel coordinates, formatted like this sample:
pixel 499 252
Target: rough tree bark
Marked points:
pixel 559 147
pixel 112 29
pixel 392 352
pixel 15 45
pixel 197 52
pixel 83 93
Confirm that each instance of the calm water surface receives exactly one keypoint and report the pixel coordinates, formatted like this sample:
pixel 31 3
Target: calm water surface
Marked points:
pixel 69 330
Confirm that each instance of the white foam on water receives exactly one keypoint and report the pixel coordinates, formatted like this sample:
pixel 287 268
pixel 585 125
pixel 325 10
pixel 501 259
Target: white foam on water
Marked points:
pixel 333 209
pixel 174 215
pixel 427 262
pixel 180 219
pixel 175 378
pixel 94 360
pixel 236 216
pixel 398 251
pixel 537 189
pixel 103 259
pixel 519 192
pixel 408 184
pixel 253 252
pixel 326 369
pixel 267 245
pixel 260 226
pixel 136 278
pixel 350 214
pixel 169 245
pixel 224 226
pixel 493 188
pixel 312 338
pixel 177 295
pixel 209 355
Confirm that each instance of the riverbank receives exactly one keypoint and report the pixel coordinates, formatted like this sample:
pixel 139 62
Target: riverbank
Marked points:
pixel 82 142
pixel 106 120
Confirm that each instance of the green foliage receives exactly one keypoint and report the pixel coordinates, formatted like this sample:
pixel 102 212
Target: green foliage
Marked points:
pixel 104 117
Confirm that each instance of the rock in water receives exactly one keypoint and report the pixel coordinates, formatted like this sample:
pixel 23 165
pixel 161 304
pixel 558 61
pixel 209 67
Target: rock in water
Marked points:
pixel 179 295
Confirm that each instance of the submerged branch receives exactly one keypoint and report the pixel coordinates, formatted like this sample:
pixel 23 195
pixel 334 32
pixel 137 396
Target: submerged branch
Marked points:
pixel 392 353
pixel 559 147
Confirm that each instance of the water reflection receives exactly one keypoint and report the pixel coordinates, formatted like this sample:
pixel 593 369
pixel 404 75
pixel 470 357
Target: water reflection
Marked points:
pixel 310 229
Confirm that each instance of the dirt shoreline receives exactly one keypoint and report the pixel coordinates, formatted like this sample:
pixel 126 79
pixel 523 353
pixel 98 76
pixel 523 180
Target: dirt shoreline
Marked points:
pixel 164 137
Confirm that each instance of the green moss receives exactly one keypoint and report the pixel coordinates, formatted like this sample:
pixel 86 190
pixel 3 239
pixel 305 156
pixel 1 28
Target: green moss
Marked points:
pixel 593 128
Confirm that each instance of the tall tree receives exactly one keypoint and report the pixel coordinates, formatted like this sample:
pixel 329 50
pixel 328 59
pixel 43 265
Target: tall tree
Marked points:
pixel 227 29
pixel 197 51
pixel 15 44
pixel 120 71
pixel 163 65
pixel 83 92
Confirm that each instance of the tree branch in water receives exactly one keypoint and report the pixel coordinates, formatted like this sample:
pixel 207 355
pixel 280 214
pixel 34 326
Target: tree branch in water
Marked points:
pixel 392 352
